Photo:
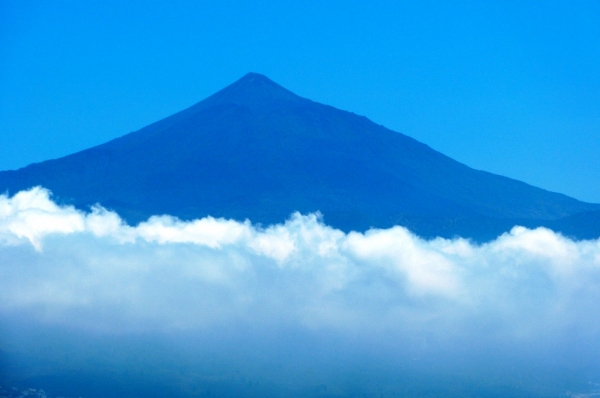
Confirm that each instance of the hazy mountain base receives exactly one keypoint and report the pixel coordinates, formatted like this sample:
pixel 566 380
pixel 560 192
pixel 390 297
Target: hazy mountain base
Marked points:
pixel 580 226
pixel 188 365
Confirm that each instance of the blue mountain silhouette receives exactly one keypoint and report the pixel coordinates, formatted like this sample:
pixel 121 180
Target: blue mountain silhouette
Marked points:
pixel 257 151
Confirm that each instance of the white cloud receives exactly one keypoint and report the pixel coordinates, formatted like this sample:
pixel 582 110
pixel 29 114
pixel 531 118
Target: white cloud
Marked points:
pixel 61 266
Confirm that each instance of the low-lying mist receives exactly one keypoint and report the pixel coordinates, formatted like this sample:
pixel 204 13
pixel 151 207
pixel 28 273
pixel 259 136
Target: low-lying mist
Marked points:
pixel 90 306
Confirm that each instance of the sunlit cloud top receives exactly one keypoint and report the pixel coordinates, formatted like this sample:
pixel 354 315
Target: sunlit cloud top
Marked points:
pixel 91 270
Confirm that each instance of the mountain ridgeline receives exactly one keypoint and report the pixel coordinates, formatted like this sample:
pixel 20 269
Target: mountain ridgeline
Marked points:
pixel 257 151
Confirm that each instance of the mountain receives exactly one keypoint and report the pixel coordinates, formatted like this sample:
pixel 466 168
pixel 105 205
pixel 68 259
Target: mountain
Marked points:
pixel 257 151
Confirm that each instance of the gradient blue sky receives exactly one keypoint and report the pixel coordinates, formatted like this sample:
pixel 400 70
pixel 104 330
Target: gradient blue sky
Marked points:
pixel 508 87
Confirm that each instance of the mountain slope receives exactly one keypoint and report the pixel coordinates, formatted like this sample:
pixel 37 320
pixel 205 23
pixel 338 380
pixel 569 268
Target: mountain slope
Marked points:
pixel 256 151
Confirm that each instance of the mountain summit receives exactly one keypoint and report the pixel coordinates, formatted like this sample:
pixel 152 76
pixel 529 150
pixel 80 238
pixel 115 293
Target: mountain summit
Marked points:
pixel 257 151
pixel 256 92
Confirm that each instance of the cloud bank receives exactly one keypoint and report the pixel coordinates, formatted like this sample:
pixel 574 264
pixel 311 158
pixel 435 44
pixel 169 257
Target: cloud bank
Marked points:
pixel 90 272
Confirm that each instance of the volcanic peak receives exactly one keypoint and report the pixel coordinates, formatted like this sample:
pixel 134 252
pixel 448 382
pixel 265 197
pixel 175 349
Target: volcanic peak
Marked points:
pixel 255 92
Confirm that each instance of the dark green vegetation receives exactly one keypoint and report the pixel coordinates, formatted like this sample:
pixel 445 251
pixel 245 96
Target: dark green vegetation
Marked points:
pixel 257 151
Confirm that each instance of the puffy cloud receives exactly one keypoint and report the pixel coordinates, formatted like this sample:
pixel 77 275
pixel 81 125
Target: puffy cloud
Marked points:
pixel 90 271
pixel 58 260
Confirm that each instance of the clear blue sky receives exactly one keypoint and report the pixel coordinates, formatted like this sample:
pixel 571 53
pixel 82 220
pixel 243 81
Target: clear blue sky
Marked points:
pixel 508 87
